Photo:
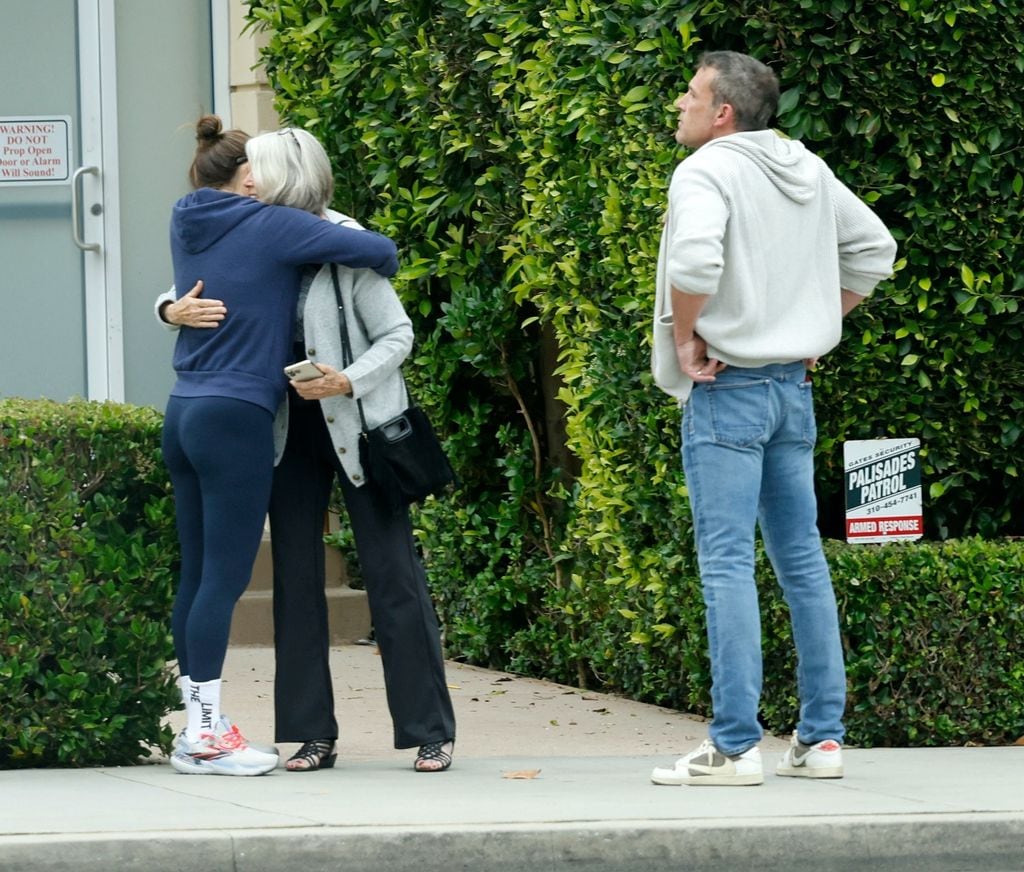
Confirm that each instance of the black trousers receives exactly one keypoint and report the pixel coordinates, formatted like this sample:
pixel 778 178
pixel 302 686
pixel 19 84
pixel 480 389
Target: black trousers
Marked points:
pixel 404 620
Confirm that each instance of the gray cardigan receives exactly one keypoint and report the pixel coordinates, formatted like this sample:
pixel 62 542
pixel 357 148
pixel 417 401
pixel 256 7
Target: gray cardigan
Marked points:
pixel 380 335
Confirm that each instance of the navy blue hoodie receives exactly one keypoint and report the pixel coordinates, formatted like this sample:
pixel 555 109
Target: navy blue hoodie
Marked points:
pixel 250 255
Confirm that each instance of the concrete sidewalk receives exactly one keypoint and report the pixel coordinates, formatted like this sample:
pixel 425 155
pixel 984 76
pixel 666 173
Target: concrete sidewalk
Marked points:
pixel 545 778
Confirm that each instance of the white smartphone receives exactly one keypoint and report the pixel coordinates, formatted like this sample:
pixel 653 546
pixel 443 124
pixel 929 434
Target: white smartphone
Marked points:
pixel 304 370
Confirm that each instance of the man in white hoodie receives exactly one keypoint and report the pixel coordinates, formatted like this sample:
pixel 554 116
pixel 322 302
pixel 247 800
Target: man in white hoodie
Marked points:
pixel 763 253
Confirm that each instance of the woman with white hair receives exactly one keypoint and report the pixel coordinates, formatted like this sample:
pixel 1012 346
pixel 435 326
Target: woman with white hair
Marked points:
pixel 317 433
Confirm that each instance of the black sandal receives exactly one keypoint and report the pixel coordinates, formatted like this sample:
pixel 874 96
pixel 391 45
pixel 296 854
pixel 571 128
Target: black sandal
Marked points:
pixel 316 754
pixel 434 751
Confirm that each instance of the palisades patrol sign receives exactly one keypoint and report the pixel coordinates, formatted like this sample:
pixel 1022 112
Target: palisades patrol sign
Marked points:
pixel 883 490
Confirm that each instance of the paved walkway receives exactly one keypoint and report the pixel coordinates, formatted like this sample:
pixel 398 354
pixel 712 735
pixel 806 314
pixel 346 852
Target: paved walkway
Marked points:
pixel 546 778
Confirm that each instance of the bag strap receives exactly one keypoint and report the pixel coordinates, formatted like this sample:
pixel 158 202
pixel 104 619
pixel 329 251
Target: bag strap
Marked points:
pixel 346 348
pixel 347 358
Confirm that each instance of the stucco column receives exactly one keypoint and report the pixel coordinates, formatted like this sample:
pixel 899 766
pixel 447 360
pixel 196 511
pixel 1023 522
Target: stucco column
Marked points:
pixel 252 100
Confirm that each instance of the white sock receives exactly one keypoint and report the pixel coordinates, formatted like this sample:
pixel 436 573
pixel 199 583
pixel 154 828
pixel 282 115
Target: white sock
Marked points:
pixel 202 707
pixel 183 684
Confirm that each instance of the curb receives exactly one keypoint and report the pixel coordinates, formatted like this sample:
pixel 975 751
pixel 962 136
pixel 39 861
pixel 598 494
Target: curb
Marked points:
pixel 905 843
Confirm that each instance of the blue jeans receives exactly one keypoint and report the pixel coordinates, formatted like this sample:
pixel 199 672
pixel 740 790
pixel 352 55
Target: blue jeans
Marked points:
pixel 748 454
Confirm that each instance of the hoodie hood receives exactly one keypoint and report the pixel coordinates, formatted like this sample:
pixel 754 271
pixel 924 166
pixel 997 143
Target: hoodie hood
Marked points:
pixel 789 166
pixel 201 218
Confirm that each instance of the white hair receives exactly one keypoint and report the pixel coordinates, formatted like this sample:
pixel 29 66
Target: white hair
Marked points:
pixel 290 168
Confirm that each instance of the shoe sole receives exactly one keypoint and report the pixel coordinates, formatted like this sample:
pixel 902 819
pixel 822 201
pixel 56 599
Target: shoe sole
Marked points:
pixel 188 768
pixel 708 780
pixel 805 772
pixel 200 770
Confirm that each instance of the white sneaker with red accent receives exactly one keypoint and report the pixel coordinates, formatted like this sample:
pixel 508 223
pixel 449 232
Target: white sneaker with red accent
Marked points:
pixel 707 765
pixel 821 760
pixel 181 742
pixel 221 751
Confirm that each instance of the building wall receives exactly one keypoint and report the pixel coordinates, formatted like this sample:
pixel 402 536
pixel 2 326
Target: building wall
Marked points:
pixel 156 142
pixel 252 108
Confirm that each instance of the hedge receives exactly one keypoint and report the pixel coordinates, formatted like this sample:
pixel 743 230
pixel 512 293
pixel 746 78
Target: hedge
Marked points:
pixel 88 555
pixel 520 153
pixel 934 637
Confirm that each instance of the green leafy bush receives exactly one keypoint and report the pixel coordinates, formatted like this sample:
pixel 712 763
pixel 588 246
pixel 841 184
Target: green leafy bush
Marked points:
pixel 934 637
pixel 87 559
pixel 520 152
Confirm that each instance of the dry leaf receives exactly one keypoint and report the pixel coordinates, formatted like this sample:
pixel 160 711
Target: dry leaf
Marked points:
pixel 521 774
pixel 1020 741
pixel 455 687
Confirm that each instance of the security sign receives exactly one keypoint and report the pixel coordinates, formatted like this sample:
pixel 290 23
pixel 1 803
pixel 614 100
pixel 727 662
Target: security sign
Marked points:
pixel 883 490
pixel 35 150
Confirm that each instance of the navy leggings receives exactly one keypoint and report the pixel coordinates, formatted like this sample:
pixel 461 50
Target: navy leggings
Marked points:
pixel 220 454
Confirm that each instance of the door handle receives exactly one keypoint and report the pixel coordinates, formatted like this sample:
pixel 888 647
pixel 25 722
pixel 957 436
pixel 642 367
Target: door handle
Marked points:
pixel 76 227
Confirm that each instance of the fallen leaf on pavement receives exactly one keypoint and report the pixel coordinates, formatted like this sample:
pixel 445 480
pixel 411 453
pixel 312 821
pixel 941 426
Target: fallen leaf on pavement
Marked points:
pixel 521 774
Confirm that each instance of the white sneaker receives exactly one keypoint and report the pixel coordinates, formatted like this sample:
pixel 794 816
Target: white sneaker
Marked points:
pixel 223 751
pixel 822 760
pixel 708 765
pixel 182 742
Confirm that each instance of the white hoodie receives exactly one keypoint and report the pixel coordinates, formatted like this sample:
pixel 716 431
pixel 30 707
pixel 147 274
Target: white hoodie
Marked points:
pixel 765 230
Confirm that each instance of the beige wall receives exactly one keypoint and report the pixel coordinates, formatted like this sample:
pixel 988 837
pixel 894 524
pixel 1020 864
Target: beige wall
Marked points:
pixel 252 108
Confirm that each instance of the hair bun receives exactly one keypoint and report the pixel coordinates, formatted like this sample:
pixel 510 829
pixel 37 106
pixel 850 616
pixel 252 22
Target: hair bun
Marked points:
pixel 209 129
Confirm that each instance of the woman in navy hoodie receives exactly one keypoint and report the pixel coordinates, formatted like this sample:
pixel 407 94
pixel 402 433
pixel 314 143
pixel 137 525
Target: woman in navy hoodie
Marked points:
pixel 218 429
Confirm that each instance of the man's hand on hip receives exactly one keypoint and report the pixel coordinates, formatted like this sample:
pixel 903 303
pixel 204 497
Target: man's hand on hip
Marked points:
pixel 692 355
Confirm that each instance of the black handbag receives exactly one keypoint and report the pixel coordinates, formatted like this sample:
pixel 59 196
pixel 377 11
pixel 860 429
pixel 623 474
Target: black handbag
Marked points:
pixel 403 456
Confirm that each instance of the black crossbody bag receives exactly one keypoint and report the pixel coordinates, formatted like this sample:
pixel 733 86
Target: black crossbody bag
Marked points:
pixel 403 456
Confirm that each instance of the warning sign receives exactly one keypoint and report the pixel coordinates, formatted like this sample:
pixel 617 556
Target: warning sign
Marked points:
pixel 883 490
pixel 34 151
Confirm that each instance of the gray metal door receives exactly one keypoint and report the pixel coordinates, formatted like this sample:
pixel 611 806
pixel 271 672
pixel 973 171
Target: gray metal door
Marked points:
pixel 83 256
pixel 42 270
